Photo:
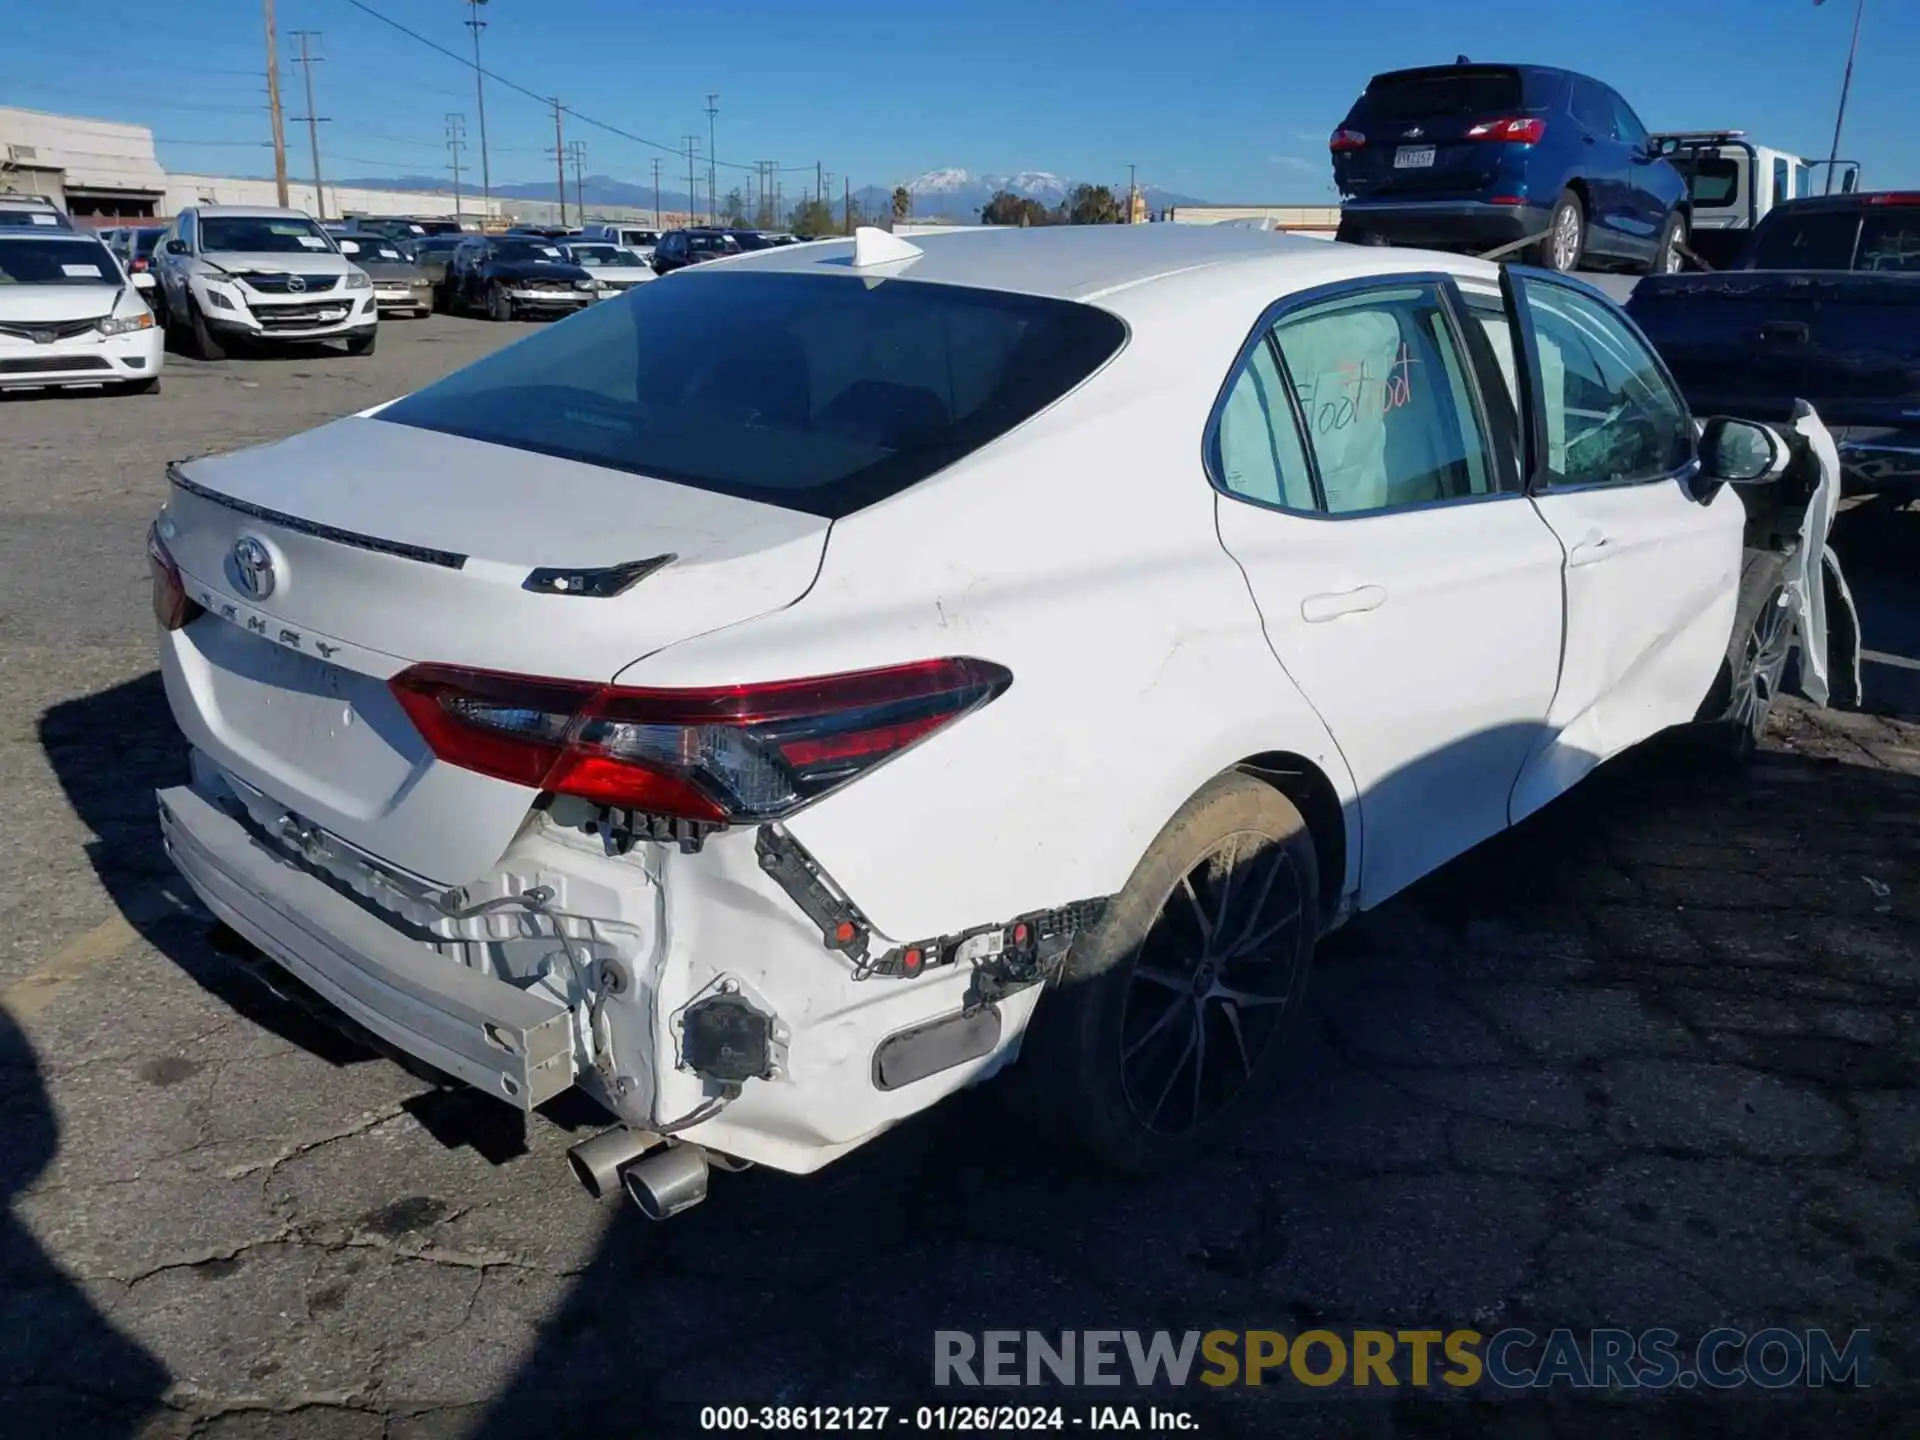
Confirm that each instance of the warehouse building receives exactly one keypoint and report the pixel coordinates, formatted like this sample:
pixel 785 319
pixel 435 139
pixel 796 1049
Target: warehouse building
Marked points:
pixel 105 170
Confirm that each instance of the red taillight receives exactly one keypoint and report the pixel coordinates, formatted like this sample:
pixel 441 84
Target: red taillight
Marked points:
pixel 1520 130
pixel 139 265
pixel 1346 139
pixel 171 605
pixel 721 754
pixel 1895 197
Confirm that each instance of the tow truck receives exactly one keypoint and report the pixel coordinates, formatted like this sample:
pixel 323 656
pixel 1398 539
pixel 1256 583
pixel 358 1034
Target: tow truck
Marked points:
pixel 1735 183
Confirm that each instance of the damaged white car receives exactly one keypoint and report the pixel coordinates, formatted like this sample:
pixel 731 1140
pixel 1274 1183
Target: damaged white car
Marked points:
pixel 768 700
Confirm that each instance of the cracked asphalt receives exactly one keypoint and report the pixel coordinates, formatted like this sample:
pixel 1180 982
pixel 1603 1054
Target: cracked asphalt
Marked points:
pixel 1649 1060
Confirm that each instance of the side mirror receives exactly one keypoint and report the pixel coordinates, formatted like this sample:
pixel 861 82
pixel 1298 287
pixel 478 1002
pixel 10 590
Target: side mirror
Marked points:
pixel 176 247
pixel 1741 452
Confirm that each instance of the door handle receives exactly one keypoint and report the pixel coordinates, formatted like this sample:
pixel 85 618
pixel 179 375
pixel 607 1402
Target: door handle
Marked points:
pixel 1786 332
pixel 1318 609
pixel 1588 552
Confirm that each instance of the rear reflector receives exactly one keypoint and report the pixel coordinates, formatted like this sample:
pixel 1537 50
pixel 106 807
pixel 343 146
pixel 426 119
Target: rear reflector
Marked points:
pixel 1345 139
pixel 737 753
pixel 171 605
pixel 1519 129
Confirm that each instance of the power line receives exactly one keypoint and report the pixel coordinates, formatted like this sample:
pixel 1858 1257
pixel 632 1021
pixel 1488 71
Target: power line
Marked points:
pixel 543 100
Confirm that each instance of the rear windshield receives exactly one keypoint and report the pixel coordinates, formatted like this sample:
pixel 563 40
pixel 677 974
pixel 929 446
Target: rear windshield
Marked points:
pixel 1715 180
pixel 1816 240
pixel 1418 95
pixel 817 393
pixel 1890 240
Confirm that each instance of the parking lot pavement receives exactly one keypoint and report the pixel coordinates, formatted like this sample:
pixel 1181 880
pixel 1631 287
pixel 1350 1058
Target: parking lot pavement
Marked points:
pixel 1650 1060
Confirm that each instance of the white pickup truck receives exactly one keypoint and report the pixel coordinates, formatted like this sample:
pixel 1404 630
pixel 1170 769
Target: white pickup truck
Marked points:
pixel 1734 183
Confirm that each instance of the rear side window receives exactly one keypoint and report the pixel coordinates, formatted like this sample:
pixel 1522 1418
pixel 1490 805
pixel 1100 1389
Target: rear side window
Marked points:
pixel 1816 240
pixel 1384 393
pixel 1422 94
pixel 813 392
pixel 1592 107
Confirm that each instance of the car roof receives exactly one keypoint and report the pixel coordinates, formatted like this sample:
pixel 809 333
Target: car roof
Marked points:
pixel 275 212
pixel 1082 262
pixel 1858 200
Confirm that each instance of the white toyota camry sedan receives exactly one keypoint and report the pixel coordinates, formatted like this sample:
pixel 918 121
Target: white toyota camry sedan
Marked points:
pixel 772 700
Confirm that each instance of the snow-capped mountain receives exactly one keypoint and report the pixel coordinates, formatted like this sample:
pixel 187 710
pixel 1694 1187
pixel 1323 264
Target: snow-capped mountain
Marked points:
pixel 957 194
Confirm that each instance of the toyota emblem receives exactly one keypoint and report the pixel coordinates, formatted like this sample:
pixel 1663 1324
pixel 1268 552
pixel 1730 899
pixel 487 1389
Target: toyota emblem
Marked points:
pixel 296 283
pixel 253 567
pixel 44 337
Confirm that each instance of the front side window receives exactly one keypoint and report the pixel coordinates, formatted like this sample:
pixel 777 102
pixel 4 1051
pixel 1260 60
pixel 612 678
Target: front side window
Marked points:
pixel 1382 387
pixel 817 393
pixel 189 229
pixel 261 234
pixel 1611 416
pixel 1781 180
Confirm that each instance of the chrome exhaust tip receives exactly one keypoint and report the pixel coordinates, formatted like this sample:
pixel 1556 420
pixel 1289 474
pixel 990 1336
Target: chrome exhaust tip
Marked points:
pixel 663 1185
pixel 596 1163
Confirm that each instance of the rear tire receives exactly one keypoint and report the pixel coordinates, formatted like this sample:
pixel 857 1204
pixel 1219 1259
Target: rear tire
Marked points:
pixel 1667 258
pixel 205 346
pixel 1735 711
pixel 1171 1013
pixel 1566 239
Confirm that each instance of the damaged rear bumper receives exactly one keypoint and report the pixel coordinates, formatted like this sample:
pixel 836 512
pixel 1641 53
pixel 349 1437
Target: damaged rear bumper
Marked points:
pixel 509 1042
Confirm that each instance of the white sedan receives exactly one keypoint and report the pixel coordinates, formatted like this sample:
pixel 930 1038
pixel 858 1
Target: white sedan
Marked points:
pixel 617 268
pixel 767 703
pixel 71 317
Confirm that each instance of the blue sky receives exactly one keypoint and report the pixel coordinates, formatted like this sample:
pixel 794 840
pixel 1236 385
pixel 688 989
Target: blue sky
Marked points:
pixel 1230 100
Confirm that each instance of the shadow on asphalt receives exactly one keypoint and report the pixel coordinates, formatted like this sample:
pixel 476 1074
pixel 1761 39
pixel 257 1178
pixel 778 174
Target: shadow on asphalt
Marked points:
pixel 64 1370
pixel 827 1289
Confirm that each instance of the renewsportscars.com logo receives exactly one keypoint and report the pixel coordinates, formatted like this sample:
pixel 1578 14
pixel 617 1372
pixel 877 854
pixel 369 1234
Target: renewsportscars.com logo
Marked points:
pixel 1511 1359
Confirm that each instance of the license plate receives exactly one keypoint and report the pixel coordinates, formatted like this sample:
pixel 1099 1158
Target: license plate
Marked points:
pixel 1413 157
pixel 331 315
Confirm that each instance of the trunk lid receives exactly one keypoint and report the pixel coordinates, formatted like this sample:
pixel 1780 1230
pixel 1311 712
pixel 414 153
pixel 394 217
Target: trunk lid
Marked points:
pixel 389 545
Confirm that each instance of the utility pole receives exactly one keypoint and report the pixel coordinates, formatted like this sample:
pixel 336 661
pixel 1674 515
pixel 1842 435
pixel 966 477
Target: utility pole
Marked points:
pixel 307 62
pixel 273 110
pixel 846 209
pixel 577 152
pixel 560 163
pixel 713 200
pixel 1833 158
pixel 476 24
pixel 456 142
pixel 820 181
pixel 1130 192
pixel 656 192
pixel 693 183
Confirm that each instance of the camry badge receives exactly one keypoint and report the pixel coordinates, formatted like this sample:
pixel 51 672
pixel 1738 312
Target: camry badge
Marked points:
pixel 1414 134
pixel 253 567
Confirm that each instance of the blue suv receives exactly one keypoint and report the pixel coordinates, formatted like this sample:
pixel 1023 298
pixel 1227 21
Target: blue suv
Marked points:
pixel 1473 157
